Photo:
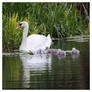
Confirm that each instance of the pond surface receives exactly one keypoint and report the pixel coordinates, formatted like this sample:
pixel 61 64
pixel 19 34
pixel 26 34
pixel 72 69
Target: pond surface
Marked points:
pixel 46 71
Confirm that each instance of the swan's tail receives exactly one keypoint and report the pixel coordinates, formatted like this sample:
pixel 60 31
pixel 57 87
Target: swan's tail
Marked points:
pixel 48 36
pixel 48 43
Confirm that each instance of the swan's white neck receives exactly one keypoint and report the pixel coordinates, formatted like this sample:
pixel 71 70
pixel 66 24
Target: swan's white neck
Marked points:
pixel 25 31
pixel 24 40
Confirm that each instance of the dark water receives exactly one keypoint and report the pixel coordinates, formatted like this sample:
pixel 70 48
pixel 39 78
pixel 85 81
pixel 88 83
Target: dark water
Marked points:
pixel 24 71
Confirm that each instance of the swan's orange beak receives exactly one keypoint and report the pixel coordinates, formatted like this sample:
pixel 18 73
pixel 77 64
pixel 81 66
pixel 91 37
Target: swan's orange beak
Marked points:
pixel 18 27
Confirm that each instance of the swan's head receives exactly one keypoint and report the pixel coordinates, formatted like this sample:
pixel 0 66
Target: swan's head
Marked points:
pixel 22 24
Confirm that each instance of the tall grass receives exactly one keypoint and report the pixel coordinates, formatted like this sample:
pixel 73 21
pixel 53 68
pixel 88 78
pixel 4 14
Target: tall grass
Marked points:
pixel 11 36
pixel 57 19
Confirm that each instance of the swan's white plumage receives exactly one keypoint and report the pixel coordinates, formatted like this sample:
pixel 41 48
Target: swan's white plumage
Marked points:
pixel 34 42
pixel 38 42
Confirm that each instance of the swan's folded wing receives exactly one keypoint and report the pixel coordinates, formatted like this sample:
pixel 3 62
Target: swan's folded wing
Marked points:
pixel 36 42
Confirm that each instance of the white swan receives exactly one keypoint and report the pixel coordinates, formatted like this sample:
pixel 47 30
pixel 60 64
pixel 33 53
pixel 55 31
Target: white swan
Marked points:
pixel 34 43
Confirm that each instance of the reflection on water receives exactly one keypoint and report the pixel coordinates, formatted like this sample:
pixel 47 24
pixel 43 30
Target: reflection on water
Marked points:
pixel 46 71
pixel 36 63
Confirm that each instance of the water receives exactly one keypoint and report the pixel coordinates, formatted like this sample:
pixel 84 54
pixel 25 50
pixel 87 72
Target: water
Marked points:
pixel 46 71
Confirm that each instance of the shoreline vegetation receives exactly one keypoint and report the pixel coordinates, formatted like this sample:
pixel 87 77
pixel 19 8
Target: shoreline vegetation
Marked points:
pixel 60 20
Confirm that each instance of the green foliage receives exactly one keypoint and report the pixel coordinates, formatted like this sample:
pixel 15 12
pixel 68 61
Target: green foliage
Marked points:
pixel 11 36
pixel 88 30
pixel 57 19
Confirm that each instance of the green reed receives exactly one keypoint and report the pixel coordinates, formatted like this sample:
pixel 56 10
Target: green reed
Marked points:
pixel 11 36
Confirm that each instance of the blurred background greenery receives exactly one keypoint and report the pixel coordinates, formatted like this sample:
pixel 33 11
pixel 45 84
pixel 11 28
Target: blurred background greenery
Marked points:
pixel 60 20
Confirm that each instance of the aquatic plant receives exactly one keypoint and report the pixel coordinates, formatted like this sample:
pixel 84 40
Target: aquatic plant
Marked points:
pixel 11 37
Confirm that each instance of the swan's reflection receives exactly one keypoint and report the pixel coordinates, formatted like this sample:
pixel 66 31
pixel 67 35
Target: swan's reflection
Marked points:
pixel 36 64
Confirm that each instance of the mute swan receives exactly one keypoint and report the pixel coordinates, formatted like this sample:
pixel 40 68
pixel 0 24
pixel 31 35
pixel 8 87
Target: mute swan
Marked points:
pixel 34 43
